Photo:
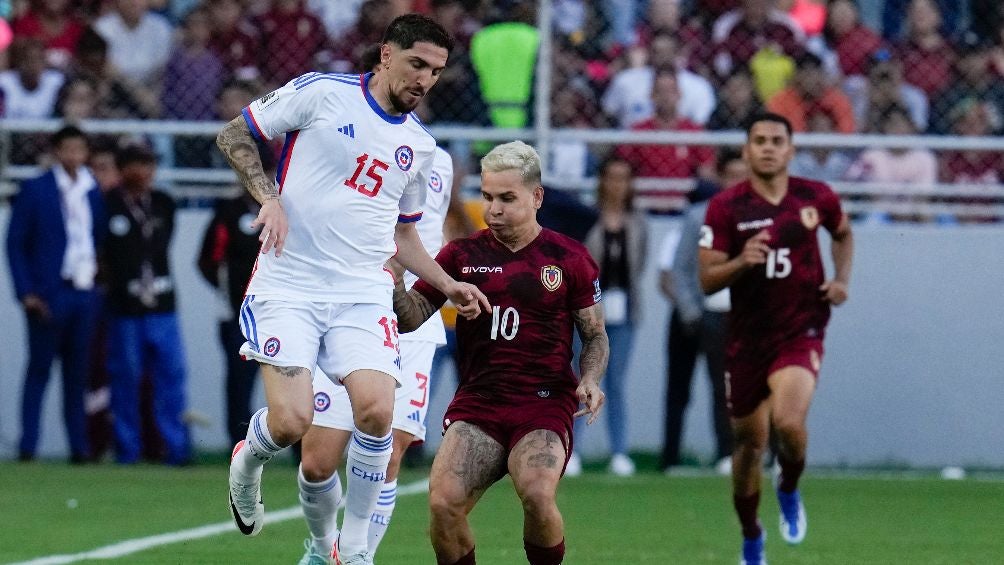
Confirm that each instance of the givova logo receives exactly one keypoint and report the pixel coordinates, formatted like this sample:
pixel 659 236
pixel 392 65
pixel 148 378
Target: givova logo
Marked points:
pixel 467 270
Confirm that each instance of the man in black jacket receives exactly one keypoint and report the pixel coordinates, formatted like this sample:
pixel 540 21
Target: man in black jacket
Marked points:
pixel 144 325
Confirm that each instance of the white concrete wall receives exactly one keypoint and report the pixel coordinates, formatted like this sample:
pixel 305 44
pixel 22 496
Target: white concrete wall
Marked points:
pixel 913 371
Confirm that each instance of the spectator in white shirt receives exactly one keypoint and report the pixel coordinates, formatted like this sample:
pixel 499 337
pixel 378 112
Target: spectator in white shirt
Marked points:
pixel 628 99
pixel 139 41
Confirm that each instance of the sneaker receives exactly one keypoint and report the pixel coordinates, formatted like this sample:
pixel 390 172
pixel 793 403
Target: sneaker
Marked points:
pixel 793 521
pixel 245 502
pixel 724 466
pixel 311 557
pixel 753 551
pixel 574 466
pixel 621 465
pixel 361 558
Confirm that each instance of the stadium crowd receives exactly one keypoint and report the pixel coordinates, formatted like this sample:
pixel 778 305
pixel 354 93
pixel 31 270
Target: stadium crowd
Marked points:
pixel 917 66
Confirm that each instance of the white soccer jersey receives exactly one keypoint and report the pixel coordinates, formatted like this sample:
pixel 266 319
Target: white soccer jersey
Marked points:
pixel 430 229
pixel 347 174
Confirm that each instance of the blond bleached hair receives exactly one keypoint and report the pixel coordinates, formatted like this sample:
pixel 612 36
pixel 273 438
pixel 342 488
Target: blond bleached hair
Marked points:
pixel 517 156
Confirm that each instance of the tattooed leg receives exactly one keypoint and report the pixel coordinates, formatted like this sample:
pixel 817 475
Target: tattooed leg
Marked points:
pixel 467 463
pixel 535 465
pixel 289 392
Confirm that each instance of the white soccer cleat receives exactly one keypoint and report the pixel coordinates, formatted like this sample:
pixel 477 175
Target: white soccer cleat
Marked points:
pixel 724 467
pixel 361 558
pixel 621 465
pixel 574 466
pixel 245 502
pixel 793 522
pixel 311 557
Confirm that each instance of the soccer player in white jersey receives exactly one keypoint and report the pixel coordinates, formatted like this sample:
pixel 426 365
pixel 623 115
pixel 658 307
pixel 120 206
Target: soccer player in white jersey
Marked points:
pixel 351 183
pixel 325 441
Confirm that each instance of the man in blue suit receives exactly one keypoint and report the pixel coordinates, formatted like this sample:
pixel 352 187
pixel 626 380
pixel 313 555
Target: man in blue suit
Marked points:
pixel 52 239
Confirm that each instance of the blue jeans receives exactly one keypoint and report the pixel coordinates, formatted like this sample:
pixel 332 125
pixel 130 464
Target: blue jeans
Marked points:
pixel 153 342
pixel 66 334
pixel 621 340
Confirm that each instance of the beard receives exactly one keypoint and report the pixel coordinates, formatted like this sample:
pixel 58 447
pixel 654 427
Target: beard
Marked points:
pixel 402 106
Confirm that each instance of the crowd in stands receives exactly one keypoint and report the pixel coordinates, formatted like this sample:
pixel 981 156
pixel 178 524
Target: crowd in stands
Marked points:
pixel 635 64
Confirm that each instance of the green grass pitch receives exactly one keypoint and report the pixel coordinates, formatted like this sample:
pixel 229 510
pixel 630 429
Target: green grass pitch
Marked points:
pixel 50 509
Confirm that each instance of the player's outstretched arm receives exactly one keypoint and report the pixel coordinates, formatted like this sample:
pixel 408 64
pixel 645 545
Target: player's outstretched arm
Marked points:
pixel 237 145
pixel 413 256
pixel 412 307
pixel 842 248
pixel 593 359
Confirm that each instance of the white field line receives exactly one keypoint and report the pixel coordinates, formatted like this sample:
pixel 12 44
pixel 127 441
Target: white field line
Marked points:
pixel 128 547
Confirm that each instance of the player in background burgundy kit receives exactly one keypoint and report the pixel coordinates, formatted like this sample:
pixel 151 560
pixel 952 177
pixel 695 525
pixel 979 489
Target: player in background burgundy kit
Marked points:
pixel 517 397
pixel 759 239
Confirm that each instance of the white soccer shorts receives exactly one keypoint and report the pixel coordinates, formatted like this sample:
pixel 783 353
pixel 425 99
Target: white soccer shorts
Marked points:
pixel 338 338
pixel 333 410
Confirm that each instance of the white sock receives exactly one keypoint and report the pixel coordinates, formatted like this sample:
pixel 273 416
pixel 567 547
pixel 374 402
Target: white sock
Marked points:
pixel 258 449
pixel 320 510
pixel 366 470
pixel 380 520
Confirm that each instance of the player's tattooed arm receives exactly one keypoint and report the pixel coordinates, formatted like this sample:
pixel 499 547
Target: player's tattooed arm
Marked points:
pixel 238 146
pixel 592 360
pixel 595 346
pixel 411 307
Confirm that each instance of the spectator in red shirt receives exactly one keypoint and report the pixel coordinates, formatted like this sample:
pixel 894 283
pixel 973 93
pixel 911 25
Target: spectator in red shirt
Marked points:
pixel 853 42
pixel 667 17
pixel 927 56
pixel 810 92
pixel 742 33
pixel 292 38
pixel 973 117
pixel 667 161
pixel 973 78
pixel 59 29
pixel 234 39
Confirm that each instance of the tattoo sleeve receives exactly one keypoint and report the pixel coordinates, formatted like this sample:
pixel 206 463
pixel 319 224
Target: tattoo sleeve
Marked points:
pixel 595 346
pixel 238 146
pixel 411 307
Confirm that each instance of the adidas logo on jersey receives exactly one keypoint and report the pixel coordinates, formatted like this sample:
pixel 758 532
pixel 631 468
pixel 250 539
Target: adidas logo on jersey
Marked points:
pixel 348 130
pixel 414 416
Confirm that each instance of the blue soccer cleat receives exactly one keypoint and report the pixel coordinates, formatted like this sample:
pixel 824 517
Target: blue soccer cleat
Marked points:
pixel 753 551
pixel 793 520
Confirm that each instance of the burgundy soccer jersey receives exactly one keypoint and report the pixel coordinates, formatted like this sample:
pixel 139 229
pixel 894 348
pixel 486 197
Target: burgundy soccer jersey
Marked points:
pixel 780 300
pixel 524 346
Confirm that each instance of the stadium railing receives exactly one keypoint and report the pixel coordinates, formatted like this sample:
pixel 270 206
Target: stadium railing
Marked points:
pixel 962 201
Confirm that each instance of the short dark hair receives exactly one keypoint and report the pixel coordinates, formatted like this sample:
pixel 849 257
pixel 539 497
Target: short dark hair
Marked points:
pixel 601 188
pixel 808 60
pixel 725 156
pixel 134 153
pixel 67 132
pixel 767 117
pixel 91 42
pixel 409 29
